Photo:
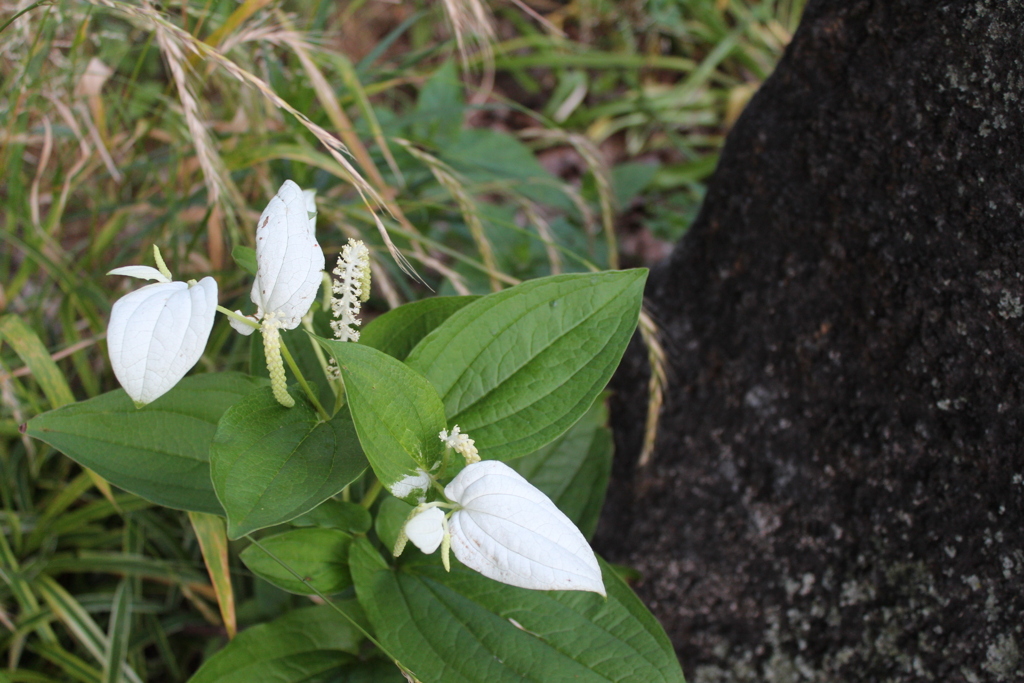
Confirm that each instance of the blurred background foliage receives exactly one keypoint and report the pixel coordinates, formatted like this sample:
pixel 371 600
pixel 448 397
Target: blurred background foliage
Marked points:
pixel 490 143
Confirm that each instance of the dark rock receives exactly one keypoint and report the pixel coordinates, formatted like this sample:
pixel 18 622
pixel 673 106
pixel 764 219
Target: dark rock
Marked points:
pixel 837 493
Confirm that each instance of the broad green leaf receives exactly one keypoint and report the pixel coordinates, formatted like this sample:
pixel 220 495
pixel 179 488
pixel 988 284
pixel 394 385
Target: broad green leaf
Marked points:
pixel 318 555
pixel 400 329
pixel 213 542
pixel 159 451
pixel 573 469
pixel 437 118
pixel 397 413
pixel 337 514
pixel 495 633
pixel 517 368
pixel 491 157
pixel 373 671
pixel 301 645
pixel 270 464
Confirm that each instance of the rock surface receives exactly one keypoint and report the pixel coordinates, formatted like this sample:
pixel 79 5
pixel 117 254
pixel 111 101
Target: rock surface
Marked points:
pixel 837 493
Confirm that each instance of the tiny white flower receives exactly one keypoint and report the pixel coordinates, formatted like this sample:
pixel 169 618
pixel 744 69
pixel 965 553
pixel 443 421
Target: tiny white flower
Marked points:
pixel 289 263
pixel 351 289
pixel 157 333
pixel 460 443
pixel 418 481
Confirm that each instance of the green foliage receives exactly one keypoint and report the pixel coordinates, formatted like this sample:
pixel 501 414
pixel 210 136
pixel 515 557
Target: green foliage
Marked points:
pixel 519 367
pixel 270 464
pixel 623 121
pixel 500 633
pixel 160 452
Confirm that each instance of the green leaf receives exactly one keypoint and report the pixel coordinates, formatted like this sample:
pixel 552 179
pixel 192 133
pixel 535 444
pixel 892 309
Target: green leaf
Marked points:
pixel 400 329
pixel 391 516
pixel 318 555
pixel 299 646
pixel 373 671
pixel 270 464
pixel 491 157
pixel 159 451
pixel 495 633
pixel 573 470
pixel 437 118
pixel 245 258
pixel 397 413
pixel 517 368
pixel 337 514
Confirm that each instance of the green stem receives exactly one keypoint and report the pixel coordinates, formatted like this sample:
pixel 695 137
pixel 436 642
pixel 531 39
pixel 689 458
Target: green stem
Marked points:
pixel 27 9
pixel 303 383
pixel 371 495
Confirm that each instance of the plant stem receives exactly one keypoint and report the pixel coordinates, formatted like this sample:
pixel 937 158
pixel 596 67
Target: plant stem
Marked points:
pixel 303 383
pixel 371 494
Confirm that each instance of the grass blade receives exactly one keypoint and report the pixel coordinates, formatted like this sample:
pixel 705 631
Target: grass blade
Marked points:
pixel 118 633
pixel 213 541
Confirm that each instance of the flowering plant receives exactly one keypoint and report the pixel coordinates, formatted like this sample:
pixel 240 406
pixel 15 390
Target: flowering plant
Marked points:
pixel 457 424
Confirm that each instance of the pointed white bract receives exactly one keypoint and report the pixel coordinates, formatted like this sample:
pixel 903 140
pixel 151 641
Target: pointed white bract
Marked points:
pixel 426 529
pixel 288 258
pixel 157 333
pixel 511 532
pixel 140 272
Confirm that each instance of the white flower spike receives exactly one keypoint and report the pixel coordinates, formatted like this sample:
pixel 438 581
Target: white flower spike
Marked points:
pixel 350 290
pixel 289 263
pixel 157 333
pixel 460 443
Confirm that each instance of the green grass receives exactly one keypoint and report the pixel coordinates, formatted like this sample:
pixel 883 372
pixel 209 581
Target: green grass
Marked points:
pixel 124 127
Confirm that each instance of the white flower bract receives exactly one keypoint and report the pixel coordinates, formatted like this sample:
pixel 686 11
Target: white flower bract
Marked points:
pixel 506 529
pixel 426 529
pixel 157 333
pixel 288 258
pixel 418 481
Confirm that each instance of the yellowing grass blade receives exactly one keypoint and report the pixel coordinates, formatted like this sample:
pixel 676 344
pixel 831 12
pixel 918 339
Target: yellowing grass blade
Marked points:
pixel 213 540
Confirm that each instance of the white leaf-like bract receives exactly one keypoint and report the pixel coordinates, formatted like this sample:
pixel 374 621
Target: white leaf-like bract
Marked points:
pixel 509 531
pixel 140 272
pixel 157 333
pixel 419 482
pixel 289 260
pixel 426 529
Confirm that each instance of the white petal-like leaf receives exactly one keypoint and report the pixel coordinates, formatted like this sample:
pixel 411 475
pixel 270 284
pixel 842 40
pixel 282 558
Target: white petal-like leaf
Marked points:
pixel 240 327
pixel 157 333
pixel 417 483
pixel 426 529
pixel 141 272
pixel 511 532
pixel 288 258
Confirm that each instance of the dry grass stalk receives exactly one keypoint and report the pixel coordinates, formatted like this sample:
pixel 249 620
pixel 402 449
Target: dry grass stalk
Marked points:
pixel 449 180
pixel 656 386
pixel 184 43
pixel 595 162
